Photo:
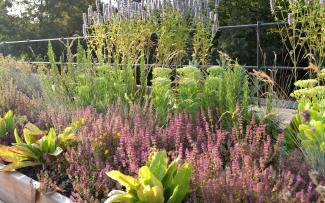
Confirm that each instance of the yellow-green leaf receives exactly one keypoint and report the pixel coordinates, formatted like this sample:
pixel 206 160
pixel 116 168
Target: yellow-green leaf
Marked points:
pixel 12 154
pixel 120 196
pixel 158 164
pixel 19 164
pixel 3 127
pixel 180 184
pixel 168 178
pixel 10 120
pixel 18 139
pixel 149 194
pixel 127 181
pixel 50 139
pixel 30 132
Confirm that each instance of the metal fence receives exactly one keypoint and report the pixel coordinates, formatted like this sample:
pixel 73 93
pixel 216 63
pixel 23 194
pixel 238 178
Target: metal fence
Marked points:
pixel 258 27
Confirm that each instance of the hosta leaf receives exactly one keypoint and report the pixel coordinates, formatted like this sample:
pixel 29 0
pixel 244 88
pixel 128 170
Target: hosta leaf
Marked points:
pixel 127 181
pixel 158 165
pixel 20 164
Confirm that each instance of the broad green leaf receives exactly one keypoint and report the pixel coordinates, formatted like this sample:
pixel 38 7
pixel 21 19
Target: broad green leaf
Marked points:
pixel 28 136
pixel 56 152
pixel 30 132
pixel 12 154
pixel 146 178
pixel 50 140
pixel 158 164
pixel 180 184
pixel 127 181
pixel 20 164
pixel 167 180
pixel 10 120
pixel 158 193
pixel 33 129
pixel 33 152
pixel 17 137
pixel 3 127
pixel 149 194
pixel 118 196
pixel 176 196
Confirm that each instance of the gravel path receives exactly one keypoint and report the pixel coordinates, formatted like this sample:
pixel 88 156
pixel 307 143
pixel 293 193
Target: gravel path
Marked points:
pixel 282 116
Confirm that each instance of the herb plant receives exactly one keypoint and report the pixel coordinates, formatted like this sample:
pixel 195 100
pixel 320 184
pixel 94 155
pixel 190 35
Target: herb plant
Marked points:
pixel 307 129
pixel 7 124
pixel 36 146
pixel 157 182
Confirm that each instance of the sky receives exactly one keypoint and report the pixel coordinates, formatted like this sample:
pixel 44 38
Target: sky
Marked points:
pixel 17 9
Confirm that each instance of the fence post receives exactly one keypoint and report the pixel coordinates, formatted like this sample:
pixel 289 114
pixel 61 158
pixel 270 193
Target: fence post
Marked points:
pixel 29 48
pixel 4 48
pixel 258 44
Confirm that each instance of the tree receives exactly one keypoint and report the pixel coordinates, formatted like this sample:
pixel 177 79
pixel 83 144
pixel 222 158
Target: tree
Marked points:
pixel 43 19
pixel 241 43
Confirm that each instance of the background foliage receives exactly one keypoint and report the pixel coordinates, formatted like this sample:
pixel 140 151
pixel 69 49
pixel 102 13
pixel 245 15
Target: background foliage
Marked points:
pixel 53 18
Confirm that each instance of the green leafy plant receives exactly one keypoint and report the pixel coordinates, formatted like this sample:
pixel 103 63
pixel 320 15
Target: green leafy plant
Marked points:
pixel 173 36
pixel 202 42
pixel 303 36
pixel 157 182
pixel 307 129
pixel 188 88
pixel 36 146
pixel 7 124
pixel 162 97
pixel 224 89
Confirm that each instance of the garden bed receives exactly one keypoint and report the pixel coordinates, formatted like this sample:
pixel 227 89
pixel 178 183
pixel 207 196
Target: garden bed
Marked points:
pixel 21 188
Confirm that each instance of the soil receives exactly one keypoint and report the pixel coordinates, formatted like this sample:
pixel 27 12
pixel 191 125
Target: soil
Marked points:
pixel 31 171
pixel 62 181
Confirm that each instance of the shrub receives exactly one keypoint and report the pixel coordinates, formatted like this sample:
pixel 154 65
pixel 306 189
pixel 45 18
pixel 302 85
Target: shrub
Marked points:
pixel 243 165
pixel 307 129
pixel 119 140
pixel 12 99
pixel 222 89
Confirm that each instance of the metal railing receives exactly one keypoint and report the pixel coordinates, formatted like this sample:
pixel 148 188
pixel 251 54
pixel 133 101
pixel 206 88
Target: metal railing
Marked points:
pixel 258 27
